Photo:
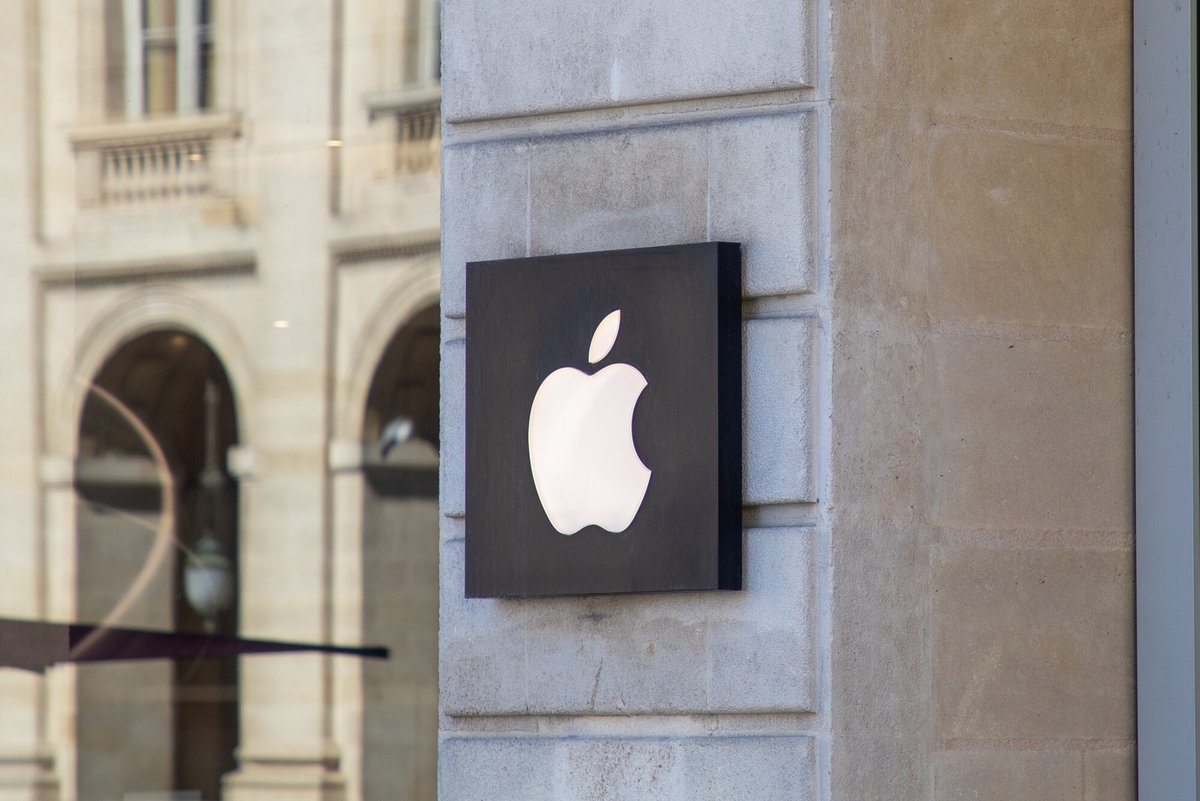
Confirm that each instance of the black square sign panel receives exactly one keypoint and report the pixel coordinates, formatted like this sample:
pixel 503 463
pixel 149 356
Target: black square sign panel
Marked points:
pixel 604 424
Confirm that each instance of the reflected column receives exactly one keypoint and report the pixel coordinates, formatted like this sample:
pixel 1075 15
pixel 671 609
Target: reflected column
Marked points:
pixel 50 773
pixel 286 750
pixel 345 466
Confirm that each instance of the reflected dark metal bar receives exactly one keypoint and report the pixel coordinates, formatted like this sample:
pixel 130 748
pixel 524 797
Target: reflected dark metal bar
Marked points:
pixel 36 645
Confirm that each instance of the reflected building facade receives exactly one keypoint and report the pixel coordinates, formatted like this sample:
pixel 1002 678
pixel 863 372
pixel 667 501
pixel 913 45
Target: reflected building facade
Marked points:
pixel 220 281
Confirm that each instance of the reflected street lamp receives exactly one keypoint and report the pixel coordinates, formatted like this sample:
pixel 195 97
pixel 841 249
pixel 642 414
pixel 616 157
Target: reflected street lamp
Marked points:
pixel 208 580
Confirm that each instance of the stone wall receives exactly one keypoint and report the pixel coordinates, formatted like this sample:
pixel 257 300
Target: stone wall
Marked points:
pixel 981 268
pixel 608 125
pixel 934 200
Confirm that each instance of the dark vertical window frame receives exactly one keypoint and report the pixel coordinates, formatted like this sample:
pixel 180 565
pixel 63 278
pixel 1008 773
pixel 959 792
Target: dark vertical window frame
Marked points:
pixel 1165 386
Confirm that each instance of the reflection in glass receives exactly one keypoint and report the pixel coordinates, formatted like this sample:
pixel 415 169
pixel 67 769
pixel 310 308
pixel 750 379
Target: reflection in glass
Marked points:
pixel 183 714
pixel 183 238
pixel 400 514
pixel 158 56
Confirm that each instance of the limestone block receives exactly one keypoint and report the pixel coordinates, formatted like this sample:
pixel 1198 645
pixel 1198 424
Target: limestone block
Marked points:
pixel 1067 64
pixel 629 768
pixel 453 465
pixel 867 766
pixel 880 658
pixel 747 651
pixel 878 432
pixel 645 187
pixel 1110 774
pixel 1001 775
pixel 624 189
pixel 486 216
pixel 881 52
pixel 619 190
pixel 880 251
pixel 1030 434
pixel 502 60
pixel 1031 230
pixel 879 673
pixel 1036 643
pixel 777 411
pixel 761 186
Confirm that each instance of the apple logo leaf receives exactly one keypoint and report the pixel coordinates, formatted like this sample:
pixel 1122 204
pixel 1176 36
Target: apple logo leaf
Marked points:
pixel 605 336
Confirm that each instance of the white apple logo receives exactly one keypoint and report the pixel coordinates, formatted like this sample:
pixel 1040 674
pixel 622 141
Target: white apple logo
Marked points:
pixel 585 467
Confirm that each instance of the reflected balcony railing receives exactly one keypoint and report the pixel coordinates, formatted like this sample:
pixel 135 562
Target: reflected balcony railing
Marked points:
pixel 150 161
pixel 418 115
pixel 153 172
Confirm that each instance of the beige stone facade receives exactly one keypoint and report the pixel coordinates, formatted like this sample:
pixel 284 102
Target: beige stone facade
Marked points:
pixel 935 204
pixel 982 271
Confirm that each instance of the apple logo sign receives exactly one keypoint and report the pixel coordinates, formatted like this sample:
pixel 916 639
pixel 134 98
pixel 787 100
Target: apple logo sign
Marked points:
pixel 602 430
pixel 586 469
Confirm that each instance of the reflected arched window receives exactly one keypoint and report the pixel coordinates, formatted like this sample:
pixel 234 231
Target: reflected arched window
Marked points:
pixel 179 719
pixel 400 566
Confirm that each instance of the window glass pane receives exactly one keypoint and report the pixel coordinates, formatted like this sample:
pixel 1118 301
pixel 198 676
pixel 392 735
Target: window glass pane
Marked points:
pixel 114 58
pixel 222 430
pixel 160 72
pixel 159 56
pixel 158 14
pixel 206 68
pixel 206 88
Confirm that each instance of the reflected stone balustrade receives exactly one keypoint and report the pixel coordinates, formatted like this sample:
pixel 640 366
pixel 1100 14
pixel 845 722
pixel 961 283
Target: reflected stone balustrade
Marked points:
pixel 418 115
pixel 157 171
pixel 152 161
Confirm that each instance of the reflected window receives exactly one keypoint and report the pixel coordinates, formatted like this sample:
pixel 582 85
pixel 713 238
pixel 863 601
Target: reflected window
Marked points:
pixel 159 57
pixel 422 42
pixel 179 717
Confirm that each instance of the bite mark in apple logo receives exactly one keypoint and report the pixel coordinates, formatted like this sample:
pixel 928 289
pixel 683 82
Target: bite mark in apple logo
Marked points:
pixel 585 467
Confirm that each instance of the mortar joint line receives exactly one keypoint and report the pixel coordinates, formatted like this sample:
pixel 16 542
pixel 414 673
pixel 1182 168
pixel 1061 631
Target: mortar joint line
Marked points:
pixel 618 118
